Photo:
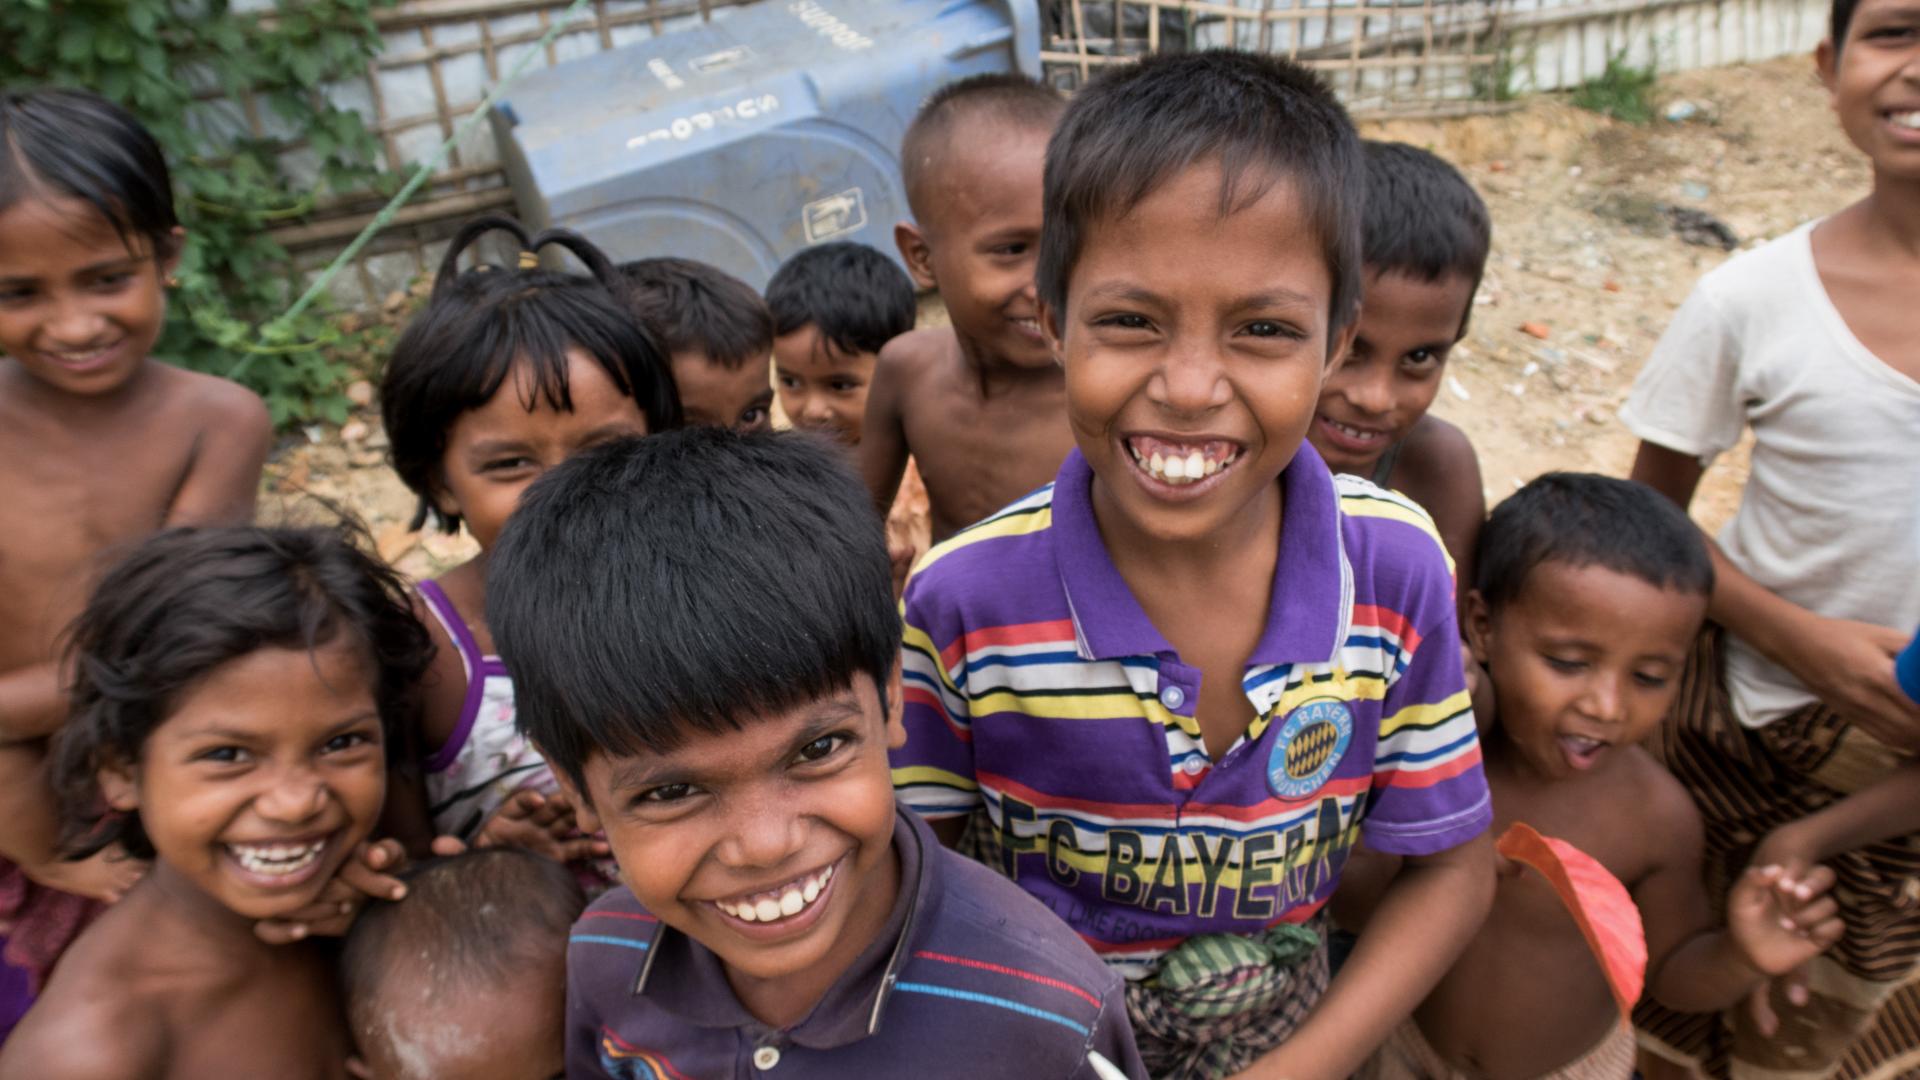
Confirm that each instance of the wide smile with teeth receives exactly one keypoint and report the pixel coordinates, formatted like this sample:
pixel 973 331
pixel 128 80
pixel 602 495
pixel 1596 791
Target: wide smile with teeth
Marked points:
pixel 782 903
pixel 78 357
pixel 1179 463
pixel 276 860
pixel 1908 120
pixel 1357 434
pixel 1027 325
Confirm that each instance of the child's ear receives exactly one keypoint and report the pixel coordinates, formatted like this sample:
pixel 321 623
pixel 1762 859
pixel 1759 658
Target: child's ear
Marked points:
pixel 915 253
pixel 1824 64
pixel 896 710
pixel 118 786
pixel 1050 329
pixel 1342 342
pixel 1478 626
pixel 170 257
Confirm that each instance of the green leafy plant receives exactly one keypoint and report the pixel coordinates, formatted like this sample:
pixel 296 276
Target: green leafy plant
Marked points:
pixel 184 67
pixel 1501 79
pixel 1622 91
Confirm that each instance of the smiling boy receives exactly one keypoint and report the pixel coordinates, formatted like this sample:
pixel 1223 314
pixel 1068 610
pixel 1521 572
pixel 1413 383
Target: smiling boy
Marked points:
pixel 979 405
pixel 1425 235
pixel 705 646
pixel 1177 686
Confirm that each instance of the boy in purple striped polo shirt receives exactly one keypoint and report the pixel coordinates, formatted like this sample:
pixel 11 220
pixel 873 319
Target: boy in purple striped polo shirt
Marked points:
pixel 704 645
pixel 1172 691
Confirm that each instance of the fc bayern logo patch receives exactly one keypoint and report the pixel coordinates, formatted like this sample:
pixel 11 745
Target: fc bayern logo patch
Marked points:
pixel 1311 743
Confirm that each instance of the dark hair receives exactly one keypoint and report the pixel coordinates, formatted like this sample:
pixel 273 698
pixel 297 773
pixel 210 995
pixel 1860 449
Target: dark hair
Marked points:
pixel 1261 117
pixel 1838 22
pixel 1423 219
pixel 1588 520
pixel 690 305
pixel 80 145
pixel 1015 100
pixel 191 600
pixel 482 917
pixel 687 580
pixel 479 324
pixel 858 298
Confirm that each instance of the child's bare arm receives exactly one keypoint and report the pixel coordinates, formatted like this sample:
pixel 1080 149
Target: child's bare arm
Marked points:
pixel 33 703
pixel 1696 966
pixel 1447 474
pixel 1882 811
pixel 223 481
pixel 30 833
pixel 1426 917
pixel 883 439
pixel 1846 664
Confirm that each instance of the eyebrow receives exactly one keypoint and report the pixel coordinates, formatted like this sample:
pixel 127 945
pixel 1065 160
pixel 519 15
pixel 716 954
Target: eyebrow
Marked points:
pixel 653 771
pixel 1138 295
pixel 229 734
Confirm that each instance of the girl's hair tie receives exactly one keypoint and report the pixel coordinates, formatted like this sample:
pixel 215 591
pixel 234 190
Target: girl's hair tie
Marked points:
pixel 529 261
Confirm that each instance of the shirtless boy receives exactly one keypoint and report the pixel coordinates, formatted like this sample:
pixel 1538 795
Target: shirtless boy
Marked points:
pixel 100 444
pixel 1590 591
pixel 980 405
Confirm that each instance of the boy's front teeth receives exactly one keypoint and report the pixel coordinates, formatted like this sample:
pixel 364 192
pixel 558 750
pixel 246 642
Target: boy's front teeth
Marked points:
pixel 1906 120
pixel 784 903
pixel 1179 465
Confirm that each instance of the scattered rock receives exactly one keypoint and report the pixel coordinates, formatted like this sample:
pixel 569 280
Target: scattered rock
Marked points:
pixel 1459 390
pixel 1681 111
pixel 395 300
pixel 1701 229
pixel 354 431
pixel 1695 190
pixel 1610 285
pixel 1534 329
pixel 360 392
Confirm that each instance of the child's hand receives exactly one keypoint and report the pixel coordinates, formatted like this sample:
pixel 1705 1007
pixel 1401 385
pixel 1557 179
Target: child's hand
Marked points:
pixel 901 554
pixel 1780 923
pixel 368 872
pixel 542 824
pixel 1849 665
pixel 104 876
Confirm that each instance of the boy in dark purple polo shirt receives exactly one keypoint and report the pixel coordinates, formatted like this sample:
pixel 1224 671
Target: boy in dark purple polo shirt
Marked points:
pixel 704 644
pixel 1172 691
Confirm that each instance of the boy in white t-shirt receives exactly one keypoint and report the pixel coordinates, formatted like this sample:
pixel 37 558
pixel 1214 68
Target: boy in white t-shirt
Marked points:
pixel 1809 341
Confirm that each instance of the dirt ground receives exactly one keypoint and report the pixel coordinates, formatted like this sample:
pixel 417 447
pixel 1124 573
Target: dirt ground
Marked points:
pixel 1583 258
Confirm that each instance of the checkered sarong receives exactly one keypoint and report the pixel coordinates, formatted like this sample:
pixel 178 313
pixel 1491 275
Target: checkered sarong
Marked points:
pixel 1220 1001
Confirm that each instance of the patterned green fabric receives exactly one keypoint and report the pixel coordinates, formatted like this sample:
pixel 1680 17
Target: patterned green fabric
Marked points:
pixel 1220 1001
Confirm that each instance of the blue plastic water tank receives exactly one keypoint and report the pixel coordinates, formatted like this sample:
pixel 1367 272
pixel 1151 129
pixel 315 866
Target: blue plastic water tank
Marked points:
pixel 742 141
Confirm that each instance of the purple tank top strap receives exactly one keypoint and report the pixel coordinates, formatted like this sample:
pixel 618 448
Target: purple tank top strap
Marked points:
pixel 479 666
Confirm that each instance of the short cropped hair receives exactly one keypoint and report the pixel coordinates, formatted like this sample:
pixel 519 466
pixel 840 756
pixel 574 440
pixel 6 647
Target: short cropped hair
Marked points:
pixel 191 600
pixel 858 298
pixel 685 582
pixel 1839 21
pixel 1261 117
pixel 480 323
pixel 479 918
pixel 79 145
pixel 1011 98
pixel 691 305
pixel 1423 219
pixel 1588 520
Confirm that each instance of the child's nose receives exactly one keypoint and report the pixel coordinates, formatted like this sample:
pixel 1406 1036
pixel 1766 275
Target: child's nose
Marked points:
pixel 1370 390
pixel 1192 381
pixel 1603 700
pixel 765 831
pixel 75 325
pixel 292 797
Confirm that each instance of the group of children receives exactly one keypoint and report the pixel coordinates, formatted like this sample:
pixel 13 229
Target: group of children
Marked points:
pixel 1216 656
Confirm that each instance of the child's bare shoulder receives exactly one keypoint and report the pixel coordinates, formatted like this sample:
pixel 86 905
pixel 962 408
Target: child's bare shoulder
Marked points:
pixel 210 399
pixel 918 354
pixel 86 1028
pixel 1438 445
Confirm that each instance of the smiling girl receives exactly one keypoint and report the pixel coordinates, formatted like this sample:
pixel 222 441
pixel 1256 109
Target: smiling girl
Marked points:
pixel 234 693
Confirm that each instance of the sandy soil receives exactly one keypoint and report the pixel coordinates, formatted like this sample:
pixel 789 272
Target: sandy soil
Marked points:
pixel 1582 254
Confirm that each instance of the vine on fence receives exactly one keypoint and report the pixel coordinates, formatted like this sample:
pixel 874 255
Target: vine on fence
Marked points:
pixel 164 60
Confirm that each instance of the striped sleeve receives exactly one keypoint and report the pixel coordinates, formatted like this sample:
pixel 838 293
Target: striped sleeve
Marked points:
pixel 933 772
pixel 1429 792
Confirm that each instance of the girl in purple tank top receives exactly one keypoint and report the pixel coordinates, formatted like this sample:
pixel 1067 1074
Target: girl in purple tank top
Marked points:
pixel 506 373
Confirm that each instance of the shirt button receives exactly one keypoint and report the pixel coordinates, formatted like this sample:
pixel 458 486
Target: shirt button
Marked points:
pixel 1173 697
pixel 766 1057
pixel 1193 766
